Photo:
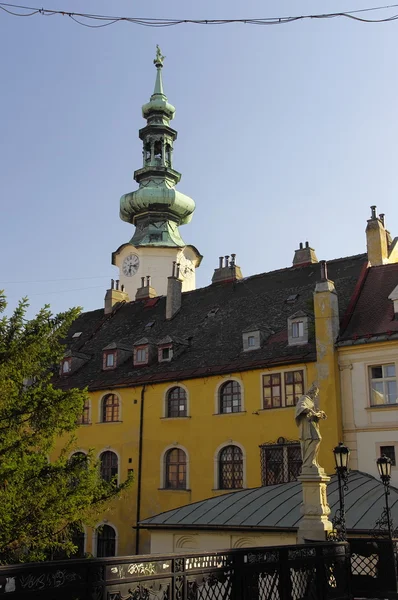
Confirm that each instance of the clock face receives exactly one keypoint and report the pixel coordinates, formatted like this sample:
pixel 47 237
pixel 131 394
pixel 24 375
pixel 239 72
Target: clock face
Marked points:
pixel 130 265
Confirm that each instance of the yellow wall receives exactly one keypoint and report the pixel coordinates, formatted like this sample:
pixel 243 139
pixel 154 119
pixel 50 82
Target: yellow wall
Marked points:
pixel 201 434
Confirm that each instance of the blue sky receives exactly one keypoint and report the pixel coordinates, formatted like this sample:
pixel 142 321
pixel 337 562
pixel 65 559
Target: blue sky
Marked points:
pixel 286 134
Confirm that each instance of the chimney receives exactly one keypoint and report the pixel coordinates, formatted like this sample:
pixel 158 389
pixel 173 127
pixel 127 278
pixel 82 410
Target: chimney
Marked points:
pixel 174 292
pixel 114 295
pixel 145 291
pixel 394 297
pixel 376 239
pixel 227 270
pixel 304 255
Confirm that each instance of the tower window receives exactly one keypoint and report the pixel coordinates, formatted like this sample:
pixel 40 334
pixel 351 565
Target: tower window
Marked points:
pixel 158 149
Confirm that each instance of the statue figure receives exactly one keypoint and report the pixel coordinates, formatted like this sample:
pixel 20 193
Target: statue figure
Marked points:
pixel 307 418
pixel 159 57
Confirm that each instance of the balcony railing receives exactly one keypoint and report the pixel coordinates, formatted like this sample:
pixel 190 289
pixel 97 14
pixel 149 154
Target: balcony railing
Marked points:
pixel 309 572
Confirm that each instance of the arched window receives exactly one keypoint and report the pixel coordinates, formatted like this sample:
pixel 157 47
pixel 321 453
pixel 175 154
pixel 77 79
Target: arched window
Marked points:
pixel 175 469
pixel 230 397
pixel 230 465
pixel 109 465
pixel 106 541
pixel 110 408
pixel 176 402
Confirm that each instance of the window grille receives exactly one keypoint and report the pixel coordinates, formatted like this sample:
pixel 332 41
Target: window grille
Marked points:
pixel 109 466
pixel 280 462
pixel 230 397
pixel 110 408
pixel 106 541
pixel 177 402
pixel 383 385
pixel 388 451
pixel 175 469
pixel 230 464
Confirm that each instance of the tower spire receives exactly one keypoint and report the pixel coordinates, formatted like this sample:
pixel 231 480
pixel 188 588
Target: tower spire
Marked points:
pixel 158 62
pixel 157 208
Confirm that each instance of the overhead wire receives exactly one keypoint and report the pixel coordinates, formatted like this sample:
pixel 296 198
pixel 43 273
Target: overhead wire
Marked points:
pixel 165 22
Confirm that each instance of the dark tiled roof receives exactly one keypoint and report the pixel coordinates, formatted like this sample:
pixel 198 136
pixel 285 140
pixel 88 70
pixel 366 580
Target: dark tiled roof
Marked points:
pixel 278 507
pixel 208 341
pixel 373 314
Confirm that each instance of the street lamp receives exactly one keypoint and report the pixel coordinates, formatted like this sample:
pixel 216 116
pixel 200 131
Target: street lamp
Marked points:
pixel 384 467
pixel 341 458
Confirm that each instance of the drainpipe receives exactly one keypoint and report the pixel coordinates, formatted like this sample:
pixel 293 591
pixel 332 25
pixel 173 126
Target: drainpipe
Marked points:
pixel 139 482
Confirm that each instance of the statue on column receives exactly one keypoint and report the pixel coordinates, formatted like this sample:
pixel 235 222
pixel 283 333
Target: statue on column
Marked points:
pixel 307 418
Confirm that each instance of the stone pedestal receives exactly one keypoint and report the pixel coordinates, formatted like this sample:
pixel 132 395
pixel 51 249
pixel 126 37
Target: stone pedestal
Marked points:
pixel 315 510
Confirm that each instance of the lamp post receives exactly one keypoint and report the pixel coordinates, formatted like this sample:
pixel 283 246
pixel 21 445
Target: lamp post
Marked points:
pixel 341 458
pixel 384 467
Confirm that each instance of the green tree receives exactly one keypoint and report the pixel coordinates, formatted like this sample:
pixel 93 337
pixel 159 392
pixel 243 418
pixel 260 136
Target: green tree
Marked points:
pixel 42 502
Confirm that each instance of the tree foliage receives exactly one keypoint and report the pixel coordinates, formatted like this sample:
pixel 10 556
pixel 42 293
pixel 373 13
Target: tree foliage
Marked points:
pixel 42 501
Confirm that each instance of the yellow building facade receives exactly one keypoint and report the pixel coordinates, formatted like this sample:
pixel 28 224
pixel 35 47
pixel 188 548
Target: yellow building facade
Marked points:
pixel 229 428
pixel 195 389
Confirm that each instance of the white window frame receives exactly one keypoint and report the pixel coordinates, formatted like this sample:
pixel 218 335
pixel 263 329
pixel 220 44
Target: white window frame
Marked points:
pixel 160 353
pixel 384 380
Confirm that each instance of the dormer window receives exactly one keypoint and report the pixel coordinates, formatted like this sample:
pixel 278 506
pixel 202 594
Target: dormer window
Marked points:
pixel 297 329
pixel 109 359
pixel 66 366
pixel 251 339
pixel 165 349
pixel 166 353
pixel 141 355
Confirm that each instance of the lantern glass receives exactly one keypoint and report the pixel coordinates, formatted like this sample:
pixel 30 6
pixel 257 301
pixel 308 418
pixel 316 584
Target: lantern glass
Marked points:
pixel 341 457
pixel 384 467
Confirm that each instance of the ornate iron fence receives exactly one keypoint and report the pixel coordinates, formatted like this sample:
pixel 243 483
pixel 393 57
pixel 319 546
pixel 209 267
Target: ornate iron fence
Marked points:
pixel 310 572
pixel 374 568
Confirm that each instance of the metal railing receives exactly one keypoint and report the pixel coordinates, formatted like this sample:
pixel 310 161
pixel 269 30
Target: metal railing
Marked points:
pixel 308 572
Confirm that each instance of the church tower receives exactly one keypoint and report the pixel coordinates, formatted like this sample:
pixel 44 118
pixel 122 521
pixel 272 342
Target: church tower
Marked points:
pixel 156 208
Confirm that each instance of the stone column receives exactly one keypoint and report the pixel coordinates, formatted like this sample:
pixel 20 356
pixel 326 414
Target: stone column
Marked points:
pixel 314 523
